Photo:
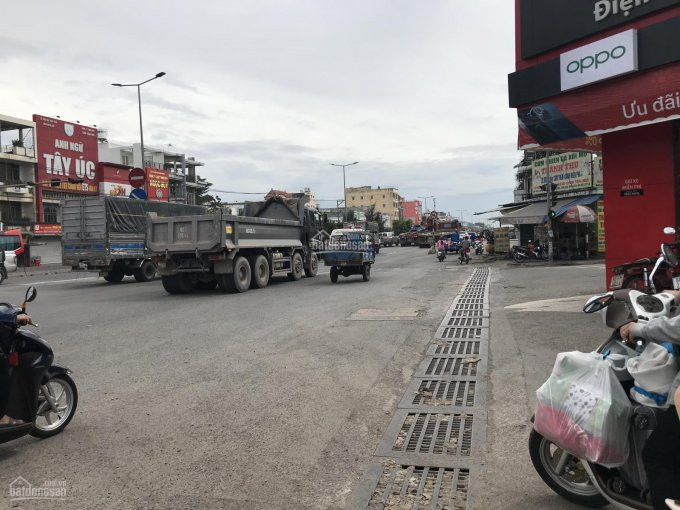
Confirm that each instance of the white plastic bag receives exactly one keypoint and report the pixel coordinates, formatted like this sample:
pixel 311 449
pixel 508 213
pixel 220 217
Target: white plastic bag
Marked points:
pixel 654 371
pixel 583 409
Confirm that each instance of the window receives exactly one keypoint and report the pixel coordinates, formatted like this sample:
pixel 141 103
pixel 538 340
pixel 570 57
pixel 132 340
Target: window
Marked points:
pixel 353 199
pixel 371 197
pixel 9 242
pixel 383 196
pixel 10 211
pixel 125 159
pixel 50 213
pixel 9 174
pixel 362 197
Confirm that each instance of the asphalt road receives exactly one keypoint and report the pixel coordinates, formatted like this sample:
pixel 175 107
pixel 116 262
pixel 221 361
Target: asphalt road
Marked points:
pixel 275 398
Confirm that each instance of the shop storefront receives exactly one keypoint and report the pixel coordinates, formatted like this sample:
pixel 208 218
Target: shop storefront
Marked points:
pixel 605 77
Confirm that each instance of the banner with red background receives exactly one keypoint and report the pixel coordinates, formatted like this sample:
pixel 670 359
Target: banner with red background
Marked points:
pixel 157 185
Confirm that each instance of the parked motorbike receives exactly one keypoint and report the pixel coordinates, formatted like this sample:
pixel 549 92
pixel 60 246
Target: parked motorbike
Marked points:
pixel 635 275
pixel 39 398
pixel 529 252
pixel 579 480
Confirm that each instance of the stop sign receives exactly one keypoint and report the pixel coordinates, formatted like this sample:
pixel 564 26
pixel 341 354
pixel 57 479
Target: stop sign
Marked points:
pixel 137 178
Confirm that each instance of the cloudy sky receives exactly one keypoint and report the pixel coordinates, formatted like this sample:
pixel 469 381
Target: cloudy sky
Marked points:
pixel 269 92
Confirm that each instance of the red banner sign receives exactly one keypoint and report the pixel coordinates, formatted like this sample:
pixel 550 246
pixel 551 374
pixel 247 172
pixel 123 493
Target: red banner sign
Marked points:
pixel 639 99
pixel 157 185
pixel 67 150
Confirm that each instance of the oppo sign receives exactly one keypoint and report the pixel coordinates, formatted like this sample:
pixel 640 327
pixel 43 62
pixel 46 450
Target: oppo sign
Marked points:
pixel 600 60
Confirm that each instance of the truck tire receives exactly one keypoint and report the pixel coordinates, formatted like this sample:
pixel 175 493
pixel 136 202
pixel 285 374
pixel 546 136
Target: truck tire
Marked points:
pixel 298 267
pixel 177 284
pixel 366 272
pixel 145 272
pixel 259 267
pixel 312 268
pixel 115 275
pixel 205 284
pixel 334 274
pixel 239 280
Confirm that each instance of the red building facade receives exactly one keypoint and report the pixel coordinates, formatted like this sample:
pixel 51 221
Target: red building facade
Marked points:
pixel 413 210
pixel 595 76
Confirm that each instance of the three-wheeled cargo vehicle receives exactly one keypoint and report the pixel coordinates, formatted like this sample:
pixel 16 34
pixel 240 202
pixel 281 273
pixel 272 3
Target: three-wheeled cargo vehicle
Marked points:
pixel 350 252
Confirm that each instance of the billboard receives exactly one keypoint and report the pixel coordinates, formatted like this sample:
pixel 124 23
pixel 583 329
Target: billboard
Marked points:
pixel 570 171
pixel 66 150
pixel 157 185
pixel 114 179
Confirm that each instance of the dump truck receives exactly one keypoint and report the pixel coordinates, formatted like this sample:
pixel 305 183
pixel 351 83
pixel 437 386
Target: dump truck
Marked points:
pixel 435 228
pixel 276 237
pixel 107 234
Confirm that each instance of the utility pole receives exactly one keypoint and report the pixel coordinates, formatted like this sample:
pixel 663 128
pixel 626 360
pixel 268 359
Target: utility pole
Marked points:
pixel 548 189
pixel 344 182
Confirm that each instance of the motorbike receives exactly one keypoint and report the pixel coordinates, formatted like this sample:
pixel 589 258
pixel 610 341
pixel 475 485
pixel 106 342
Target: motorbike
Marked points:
pixel 579 480
pixel 635 275
pixel 464 256
pixel 531 251
pixel 441 255
pixel 39 398
pixel 479 248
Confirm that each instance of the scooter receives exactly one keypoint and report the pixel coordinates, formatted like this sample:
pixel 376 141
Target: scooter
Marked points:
pixel 464 256
pixel 441 255
pixel 531 251
pixel 39 398
pixel 593 485
pixel 479 248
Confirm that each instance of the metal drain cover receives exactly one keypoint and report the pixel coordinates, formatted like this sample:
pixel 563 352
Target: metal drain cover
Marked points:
pixel 420 487
pixel 463 367
pixel 454 347
pixel 428 434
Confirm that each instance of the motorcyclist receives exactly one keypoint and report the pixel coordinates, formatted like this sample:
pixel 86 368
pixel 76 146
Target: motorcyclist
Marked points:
pixel 465 247
pixel 440 246
pixel 10 318
pixel 661 456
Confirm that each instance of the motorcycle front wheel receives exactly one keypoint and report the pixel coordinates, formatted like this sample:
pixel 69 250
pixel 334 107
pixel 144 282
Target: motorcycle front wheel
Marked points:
pixel 57 402
pixel 563 472
pixel 517 256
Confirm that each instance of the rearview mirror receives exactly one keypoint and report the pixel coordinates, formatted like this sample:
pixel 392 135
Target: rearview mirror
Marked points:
pixel 597 303
pixel 668 255
pixel 31 294
pixel 669 230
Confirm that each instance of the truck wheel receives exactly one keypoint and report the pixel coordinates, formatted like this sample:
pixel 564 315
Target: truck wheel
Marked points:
pixel 115 275
pixel 259 267
pixel 145 272
pixel 239 280
pixel 366 272
pixel 334 274
pixel 298 267
pixel 177 284
pixel 206 285
pixel 313 267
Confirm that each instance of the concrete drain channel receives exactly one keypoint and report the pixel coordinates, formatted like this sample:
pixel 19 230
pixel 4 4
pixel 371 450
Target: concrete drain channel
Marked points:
pixel 431 451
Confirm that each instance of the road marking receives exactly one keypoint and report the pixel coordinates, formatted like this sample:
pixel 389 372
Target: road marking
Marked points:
pixel 52 282
pixel 572 304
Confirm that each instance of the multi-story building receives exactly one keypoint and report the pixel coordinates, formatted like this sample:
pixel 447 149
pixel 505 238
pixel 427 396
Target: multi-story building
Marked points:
pixel 386 200
pixel 184 184
pixel 413 210
pixel 17 167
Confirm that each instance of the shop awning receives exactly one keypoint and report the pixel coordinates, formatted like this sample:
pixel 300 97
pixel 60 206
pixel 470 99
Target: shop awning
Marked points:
pixel 586 200
pixel 532 214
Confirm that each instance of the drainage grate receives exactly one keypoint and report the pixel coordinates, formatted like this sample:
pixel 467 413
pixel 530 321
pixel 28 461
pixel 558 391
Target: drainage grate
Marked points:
pixel 466 322
pixel 435 433
pixel 475 309
pixel 454 333
pixel 464 312
pixel 450 367
pixel 448 393
pixel 460 347
pixel 421 487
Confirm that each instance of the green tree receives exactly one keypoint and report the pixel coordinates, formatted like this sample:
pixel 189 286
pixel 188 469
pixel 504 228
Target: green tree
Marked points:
pixel 373 215
pixel 212 202
pixel 401 226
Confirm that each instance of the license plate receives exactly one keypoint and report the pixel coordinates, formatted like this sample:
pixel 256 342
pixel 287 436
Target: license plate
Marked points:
pixel 676 282
pixel 616 281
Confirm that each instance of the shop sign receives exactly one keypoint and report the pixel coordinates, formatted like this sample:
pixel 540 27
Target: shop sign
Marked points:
pixel 115 189
pixel 640 99
pixel 632 187
pixel 546 25
pixel 157 185
pixel 600 226
pixel 47 229
pixel 569 171
pixel 601 60
pixel 66 150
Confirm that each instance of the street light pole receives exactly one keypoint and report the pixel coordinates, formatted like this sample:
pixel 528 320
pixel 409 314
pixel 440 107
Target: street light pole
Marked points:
pixel 139 100
pixel 344 182
pixel 425 198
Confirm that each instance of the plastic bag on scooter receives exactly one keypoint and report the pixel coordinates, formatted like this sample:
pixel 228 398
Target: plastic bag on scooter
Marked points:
pixel 583 409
